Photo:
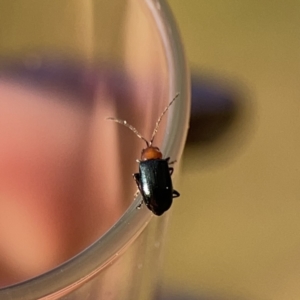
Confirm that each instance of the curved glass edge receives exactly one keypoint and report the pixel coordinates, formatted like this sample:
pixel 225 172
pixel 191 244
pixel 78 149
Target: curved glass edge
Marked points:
pixel 179 81
pixel 134 221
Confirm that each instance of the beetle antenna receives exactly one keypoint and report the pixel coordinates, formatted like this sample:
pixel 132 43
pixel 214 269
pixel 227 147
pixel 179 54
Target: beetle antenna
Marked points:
pixel 123 122
pixel 160 118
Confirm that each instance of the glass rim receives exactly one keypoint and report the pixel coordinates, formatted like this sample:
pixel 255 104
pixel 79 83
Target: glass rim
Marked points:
pixel 65 277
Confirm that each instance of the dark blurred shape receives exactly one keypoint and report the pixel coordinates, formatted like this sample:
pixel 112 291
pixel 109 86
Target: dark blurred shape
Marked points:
pixel 62 74
pixel 214 109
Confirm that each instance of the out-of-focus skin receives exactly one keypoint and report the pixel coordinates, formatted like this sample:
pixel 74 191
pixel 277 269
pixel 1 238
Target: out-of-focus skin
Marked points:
pixel 57 193
pixel 65 171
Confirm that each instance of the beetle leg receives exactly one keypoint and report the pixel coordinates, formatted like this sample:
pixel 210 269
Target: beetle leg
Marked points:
pixel 136 177
pixel 136 193
pixel 171 170
pixel 175 194
pixel 171 162
pixel 140 205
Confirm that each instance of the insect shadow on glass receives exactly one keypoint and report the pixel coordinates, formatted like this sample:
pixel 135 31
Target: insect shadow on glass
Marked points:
pixel 154 178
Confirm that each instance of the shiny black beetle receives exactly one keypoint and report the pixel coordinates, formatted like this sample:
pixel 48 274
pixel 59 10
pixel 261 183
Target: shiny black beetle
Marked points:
pixel 154 178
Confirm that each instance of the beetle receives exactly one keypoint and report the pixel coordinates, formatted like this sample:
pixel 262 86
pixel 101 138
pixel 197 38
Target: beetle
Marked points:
pixel 154 178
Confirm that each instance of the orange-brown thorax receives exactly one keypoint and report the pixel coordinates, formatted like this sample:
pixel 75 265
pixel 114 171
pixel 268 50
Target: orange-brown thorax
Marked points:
pixel 151 153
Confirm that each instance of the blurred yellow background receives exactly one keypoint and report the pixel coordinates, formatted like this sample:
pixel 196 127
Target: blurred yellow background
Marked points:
pixel 235 230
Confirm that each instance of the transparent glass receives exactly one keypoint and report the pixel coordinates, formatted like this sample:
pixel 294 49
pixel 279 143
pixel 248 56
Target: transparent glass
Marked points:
pixel 68 224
